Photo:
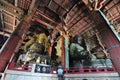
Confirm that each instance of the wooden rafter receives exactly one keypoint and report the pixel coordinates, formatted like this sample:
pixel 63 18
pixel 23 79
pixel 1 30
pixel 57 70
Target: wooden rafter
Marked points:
pixel 46 24
pixel 8 5
pixel 60 5
pixel 76 23
pixel 74 16
pixel 44 16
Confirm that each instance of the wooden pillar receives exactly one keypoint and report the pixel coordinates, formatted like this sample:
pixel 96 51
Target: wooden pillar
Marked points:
pixel 66 48
pixel 113 47
pixel 50 50
pixel 12 43
pixel 110 40
pixel 63 53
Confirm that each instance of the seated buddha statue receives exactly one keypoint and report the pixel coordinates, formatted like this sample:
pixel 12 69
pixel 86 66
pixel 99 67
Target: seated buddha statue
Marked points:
pixel 77 47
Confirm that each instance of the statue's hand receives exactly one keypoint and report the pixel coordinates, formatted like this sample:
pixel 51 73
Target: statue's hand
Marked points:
pixel 83 53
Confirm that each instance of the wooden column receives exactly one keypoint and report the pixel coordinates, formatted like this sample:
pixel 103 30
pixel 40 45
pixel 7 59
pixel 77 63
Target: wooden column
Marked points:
pixel 113 47
pixel 111 42
pixel 63 53
pixel 66 48
pixel 11 45
pixel 50 50
pixel 15 38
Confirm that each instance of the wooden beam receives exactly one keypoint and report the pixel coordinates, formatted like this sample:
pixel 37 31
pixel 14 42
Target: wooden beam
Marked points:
pixel 45 24
pixel 9 23
pixel 44 16
pixel 64 2
pixel 10 12
pixel 86 3
pixel 110 14
pixel 18 10
pixel 2 20
pixel 76 23
pixel 49 3
pixel 71 8
pixel 117 7
pixel 5 34
pixel 16 3
pixel 74 16
pixel 116 4
pixel 7 14
pixel 114 18
pixel 85 28
pixel 14 19
pixel 78 29
pixel 32 6
pixel 60 5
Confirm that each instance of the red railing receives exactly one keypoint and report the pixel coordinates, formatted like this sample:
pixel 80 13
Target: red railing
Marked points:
pixel 72 70
pixel 88 70
pixel 24 67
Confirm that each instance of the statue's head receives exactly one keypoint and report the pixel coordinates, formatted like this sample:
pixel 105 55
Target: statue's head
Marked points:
pixel 78 39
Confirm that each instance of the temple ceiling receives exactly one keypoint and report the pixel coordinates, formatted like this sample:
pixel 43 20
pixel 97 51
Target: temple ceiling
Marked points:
pixel 73 16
